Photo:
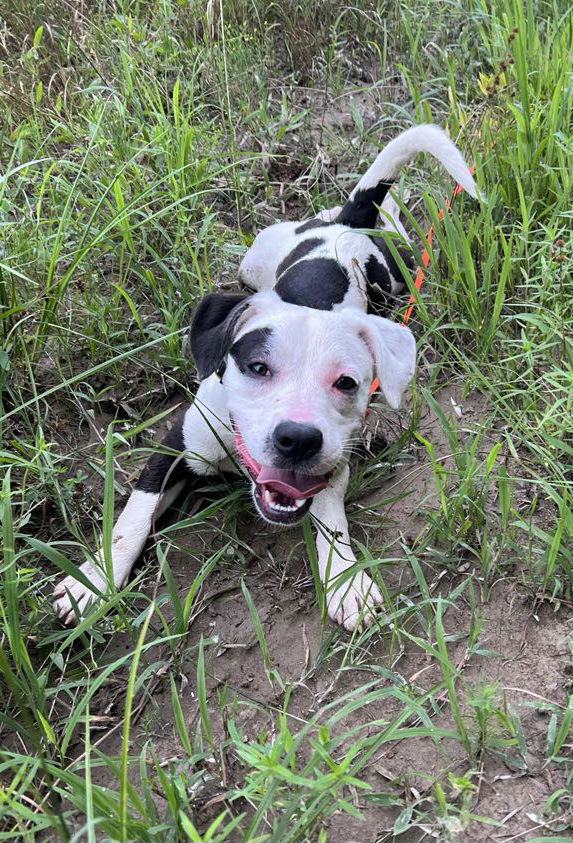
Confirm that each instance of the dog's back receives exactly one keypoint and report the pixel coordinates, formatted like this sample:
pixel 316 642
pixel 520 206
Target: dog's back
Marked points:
pixel 330 262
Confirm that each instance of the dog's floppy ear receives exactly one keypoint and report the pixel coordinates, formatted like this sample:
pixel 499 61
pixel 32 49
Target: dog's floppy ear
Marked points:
pixel 212 329
pixel 394 349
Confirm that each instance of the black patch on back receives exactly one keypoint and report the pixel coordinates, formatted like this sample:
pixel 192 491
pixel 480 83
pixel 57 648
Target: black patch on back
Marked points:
pixel 405 254
pixel 317 282
pixel 376 273
pixel 250 347
pixel 378 286
pixel 362 211
pixel 162 471
pixel 299 252
pixel 310 224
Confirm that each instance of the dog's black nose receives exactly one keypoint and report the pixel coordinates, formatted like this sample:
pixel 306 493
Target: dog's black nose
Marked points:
pixel 296 441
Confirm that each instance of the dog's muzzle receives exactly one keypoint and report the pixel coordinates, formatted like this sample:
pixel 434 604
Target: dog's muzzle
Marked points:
pixel 282 497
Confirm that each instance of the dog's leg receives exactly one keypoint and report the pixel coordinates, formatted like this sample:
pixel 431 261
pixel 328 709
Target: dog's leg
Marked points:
pixel 351 602
pixel 203 438
pixel 159 484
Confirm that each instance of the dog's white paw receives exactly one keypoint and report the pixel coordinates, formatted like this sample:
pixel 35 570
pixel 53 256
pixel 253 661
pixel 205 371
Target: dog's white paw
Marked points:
pixel 354 602
pixel 82 596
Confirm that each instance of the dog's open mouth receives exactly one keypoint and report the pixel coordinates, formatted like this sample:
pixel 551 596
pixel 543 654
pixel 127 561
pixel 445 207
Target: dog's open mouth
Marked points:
pixel 279 508
pixel 282 497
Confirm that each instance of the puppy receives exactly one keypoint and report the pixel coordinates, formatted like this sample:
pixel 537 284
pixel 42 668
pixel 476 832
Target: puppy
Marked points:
pixel 285 377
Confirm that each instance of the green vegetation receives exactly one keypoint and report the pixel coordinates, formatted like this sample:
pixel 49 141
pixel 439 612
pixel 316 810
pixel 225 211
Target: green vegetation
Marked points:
pixel 141 144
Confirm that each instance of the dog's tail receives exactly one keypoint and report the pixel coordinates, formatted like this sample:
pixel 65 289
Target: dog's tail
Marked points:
pixel 361 208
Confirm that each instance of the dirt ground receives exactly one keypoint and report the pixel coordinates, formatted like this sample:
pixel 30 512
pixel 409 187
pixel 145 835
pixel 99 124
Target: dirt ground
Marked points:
pixel 525 655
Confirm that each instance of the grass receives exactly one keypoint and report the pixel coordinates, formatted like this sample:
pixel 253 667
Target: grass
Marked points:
pixel 142 143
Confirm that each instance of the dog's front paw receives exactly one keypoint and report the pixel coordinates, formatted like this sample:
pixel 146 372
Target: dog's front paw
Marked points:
pixel 354 603
pixel 83 597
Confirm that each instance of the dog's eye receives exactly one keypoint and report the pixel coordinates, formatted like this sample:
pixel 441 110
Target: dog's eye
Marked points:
pixel 259 369
pixel 345 384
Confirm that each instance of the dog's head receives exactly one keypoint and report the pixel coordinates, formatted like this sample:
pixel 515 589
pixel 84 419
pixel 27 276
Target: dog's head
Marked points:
pixel 297 382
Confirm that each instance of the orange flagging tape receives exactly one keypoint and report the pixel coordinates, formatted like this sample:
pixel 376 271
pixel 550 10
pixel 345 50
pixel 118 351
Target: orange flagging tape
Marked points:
pixel 419 279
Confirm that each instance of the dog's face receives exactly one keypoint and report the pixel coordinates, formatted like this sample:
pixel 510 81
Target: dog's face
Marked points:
pixel 297 382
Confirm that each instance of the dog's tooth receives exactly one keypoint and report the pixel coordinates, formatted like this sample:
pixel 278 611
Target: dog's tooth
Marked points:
pixel 271 503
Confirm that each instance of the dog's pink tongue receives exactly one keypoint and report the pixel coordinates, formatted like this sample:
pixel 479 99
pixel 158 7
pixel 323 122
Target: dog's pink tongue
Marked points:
pixel 290 484
pixel 286 482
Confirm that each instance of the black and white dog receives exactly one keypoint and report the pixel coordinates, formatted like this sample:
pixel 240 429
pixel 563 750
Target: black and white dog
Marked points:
pixel 285 380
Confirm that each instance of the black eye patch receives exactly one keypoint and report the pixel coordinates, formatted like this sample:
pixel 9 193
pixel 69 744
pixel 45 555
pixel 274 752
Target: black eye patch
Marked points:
pixel 250 347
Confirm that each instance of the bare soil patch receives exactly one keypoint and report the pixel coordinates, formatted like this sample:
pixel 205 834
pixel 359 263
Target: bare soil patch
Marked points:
pixel 525 656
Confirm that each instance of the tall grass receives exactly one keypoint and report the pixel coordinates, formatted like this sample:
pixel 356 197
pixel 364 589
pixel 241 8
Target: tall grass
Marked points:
pixel 137 144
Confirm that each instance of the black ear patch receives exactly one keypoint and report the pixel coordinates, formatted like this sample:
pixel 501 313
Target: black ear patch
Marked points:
pixel 211 331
